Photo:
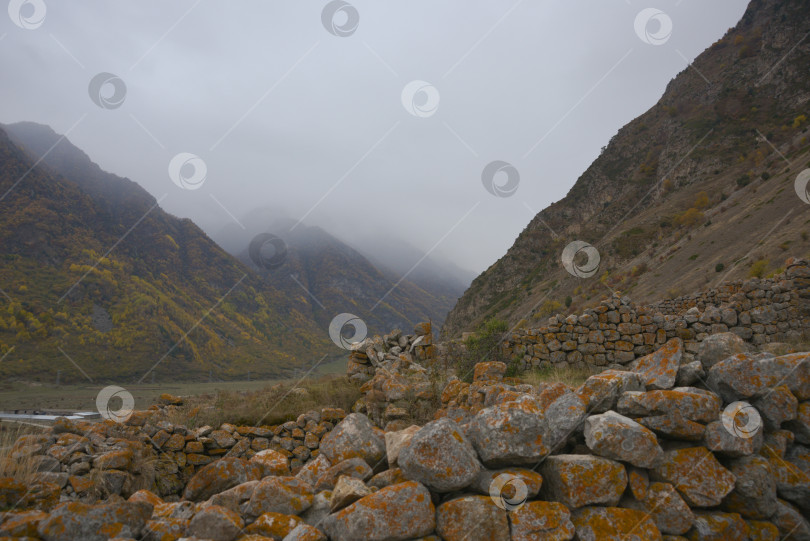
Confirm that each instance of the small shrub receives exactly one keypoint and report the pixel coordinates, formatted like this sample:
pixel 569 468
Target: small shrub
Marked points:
pixel 484 345
pixel 743 181
pixel 765 175
pixel 719 267
pixel 568 301
pixel 758 268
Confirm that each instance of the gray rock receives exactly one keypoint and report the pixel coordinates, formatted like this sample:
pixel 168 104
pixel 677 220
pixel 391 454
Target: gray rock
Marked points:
pixel 472 518
pixel 398 512
pixel 717 347
pixel 440 457
pixel 215 523
pixel 689 374
pixel 615 436
pixel 754 494
pixel 354 436
pixel 511 434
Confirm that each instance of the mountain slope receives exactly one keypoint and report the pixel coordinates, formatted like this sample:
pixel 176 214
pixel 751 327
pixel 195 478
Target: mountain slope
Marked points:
pixel 696 190
pixel 164 295
pixel 325 277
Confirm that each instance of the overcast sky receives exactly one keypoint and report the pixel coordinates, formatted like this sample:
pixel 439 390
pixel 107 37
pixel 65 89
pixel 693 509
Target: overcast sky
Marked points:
pixel 284 113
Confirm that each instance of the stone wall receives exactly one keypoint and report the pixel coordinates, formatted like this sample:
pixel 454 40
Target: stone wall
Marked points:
pixel 617 331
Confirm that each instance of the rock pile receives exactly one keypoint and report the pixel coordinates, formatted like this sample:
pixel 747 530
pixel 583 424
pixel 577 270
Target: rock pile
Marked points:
pixel 396 383
pixel 617 332
pixel 666 450
pixel 83 461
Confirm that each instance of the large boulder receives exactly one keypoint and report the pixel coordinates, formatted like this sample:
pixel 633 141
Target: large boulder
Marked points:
pixel 578 480
pixel 510 434
pixel 547 521
pixel 271 462
pixel 615 436
pixel 691 403
pixel 744 376
pixel 219 476
pixel 659 370
pixel 472 518
pixel 754 494
pixel 601 391
pixel 286 495
pixel 732 443
pixel 697 475
pixel 354 436
pixel 215 523
pixel 75 520
pixel 394 513
pixel 440 457
pixel 564 415
pixel 718 347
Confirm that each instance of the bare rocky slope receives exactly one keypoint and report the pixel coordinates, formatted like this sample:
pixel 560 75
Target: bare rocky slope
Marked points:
pixel 697 190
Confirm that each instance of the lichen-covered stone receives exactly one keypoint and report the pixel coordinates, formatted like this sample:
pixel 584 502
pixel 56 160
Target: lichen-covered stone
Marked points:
pixel 530 479
pixel 546 521
pixel 352 467
pixel 613 524
pixel 215 523
pixel 440 457
pixel 615 436
pixel 793 526
pixel 666 507
pixel 394 513
pixel 220 476
pixel 347 491
pixel 659 370
pixel 691 403
pixel 354 436
pixel 271 462
pixel 472 518
pixel 510 434
pixel 754 494
pixel 716 526
pixel 305 532
pixel 578 480
pixel 75 520
pixel 674 426
pixel 776 406
pixel 274 525
pixel 697 475
pixel 719 439
pixel 601 391
pixel 744 376
pixel 286 495
pixel 717 347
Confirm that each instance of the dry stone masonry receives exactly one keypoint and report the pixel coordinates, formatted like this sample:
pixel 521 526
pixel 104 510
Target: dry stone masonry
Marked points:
pixel 617 332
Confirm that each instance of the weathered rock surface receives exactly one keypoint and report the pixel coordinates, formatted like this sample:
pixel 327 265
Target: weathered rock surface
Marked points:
pixel 579 480
pixel 440 457
pixel 615 436
pixel 394 513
